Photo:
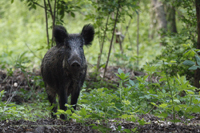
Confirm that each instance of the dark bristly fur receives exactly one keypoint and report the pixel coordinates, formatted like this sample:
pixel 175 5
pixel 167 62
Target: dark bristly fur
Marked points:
pixel 64 66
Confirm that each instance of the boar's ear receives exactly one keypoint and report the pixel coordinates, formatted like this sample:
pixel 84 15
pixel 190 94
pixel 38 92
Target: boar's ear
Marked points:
pixel 60 33
pixel 88 34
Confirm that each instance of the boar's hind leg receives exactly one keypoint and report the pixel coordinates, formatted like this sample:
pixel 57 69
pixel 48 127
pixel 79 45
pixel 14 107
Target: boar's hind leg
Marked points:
pixel 62 102
pixel 52 100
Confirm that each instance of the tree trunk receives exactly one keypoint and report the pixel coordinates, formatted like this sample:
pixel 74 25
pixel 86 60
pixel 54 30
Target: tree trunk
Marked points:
pixel 111 42
pixel 171 18
pixel 102 44
pixel 138 37
pixel 161 16
pixel 46 20
pixel 153 23
pixel 197 72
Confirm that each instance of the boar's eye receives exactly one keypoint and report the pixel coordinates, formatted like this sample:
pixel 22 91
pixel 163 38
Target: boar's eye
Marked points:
pixel 81 45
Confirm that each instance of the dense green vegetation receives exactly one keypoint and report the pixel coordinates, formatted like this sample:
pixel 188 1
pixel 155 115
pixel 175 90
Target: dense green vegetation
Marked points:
pixel 165 90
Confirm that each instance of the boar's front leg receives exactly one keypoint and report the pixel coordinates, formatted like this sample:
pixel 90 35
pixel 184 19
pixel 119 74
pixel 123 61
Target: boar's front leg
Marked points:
pixel 62 102
pixel 63 95
pixel 74 99
pixel 74 95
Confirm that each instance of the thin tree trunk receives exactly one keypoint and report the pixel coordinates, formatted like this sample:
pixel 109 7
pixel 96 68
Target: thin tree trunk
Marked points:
pixel 120 44
pixel 171 18
pixel 102 44
pixel 46 19
pixel 138 29
pixel 51 12
pixel 197 72
pixel 161 17
pixel 53 21
pixel 111 42
pixel 127 27
pixel 153 23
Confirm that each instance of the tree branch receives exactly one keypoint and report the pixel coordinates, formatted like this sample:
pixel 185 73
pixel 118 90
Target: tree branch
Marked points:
pixel 46 18
pixel 101 49
pixel 50 9
pixel 197 72
pixel 53 19
pixel 111 39
pixel 138 35
pixel 40 6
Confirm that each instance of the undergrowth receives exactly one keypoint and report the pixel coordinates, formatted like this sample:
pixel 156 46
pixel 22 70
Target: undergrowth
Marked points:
pixel 156 93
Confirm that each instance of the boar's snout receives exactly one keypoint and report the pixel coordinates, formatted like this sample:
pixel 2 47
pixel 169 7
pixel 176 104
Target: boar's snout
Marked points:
pixel 75 65
pixel 74 62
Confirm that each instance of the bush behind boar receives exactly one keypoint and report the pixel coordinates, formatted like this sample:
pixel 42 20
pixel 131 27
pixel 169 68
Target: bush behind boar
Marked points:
pixel 64 66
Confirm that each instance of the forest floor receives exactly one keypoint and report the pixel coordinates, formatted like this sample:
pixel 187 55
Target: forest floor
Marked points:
pixel 18 80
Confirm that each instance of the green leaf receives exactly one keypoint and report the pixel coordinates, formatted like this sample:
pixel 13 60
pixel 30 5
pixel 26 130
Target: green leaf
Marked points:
pixel 152 91
pixel 72 14
pixel 125 116
pixel 195 109
pixel 188 63
pixel 122 76
pixel 127 130
pixel 176 100
pixel 97 116
pixel 193 68
pixel 197 59
pixel 134 130
pixel 190 53
pixel 163 79
pixel 191 117
pixel 163 105
pixel 119 127
pixel 190 92
pixel 195 101
pixel 60 111
pixel 197 98
pixel 141 122
pixel 120 71
pixel 172 61
pixel 69 112
pixel 153 104
pixel 75 116
pixel 131 82
pixel 83 112
pixel 12 1
pixel 177 108
pixel 164 115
